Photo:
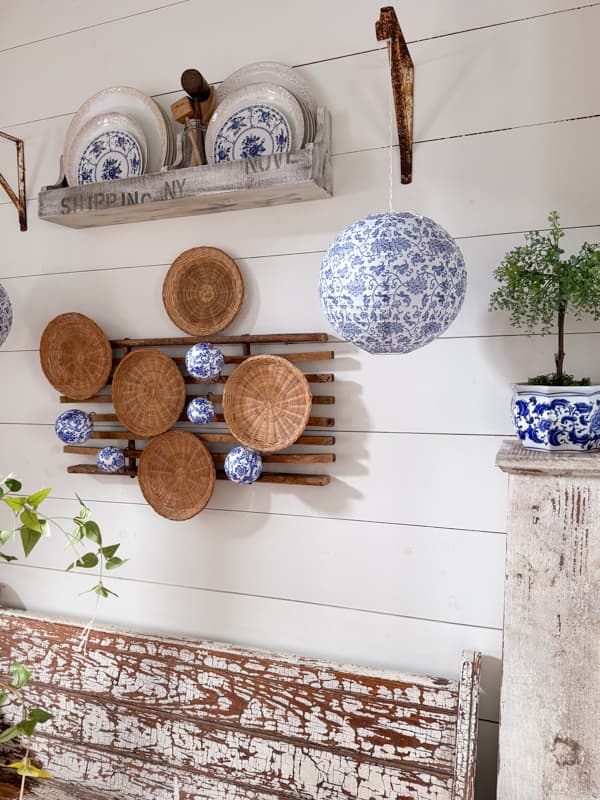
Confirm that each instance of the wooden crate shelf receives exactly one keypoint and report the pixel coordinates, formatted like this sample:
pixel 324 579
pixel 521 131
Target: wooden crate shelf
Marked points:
pixel 133 445
pixel 247 183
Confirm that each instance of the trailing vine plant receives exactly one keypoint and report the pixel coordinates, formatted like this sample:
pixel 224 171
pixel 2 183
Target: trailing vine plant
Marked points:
pixel 31 525
pixel 539 287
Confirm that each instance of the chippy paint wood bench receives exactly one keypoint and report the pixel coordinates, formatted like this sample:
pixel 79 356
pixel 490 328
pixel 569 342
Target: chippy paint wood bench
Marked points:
pixel 138 711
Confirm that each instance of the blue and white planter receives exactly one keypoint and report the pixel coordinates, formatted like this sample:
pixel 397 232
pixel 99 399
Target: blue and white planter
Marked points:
pixel 204 361
pixel 110 459
pixel 563 418
pixel 73 426
pixel 200 411
pixel 243 465
pixel 391 283
pixel 6 315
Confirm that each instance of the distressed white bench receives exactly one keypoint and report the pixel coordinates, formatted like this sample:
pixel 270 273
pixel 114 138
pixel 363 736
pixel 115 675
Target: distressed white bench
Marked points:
pixel 139 711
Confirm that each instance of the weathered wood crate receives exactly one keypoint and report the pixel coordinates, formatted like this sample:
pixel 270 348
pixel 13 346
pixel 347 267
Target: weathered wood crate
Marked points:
pixel 247 183
pixel 138 711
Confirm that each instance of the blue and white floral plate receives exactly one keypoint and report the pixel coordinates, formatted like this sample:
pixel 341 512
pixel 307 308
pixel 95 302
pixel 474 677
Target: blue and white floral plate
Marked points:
pixel 257 120
pixel 108 147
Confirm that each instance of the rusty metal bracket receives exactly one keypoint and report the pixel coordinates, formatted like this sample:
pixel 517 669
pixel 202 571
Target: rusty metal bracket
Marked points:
pixel 20 201
pixel 402 69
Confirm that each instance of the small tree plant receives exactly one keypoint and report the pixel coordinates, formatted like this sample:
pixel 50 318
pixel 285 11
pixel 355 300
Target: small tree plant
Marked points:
pixel 539 287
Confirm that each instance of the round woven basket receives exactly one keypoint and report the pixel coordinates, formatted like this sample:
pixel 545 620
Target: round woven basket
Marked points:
pixel 75 355
pixel 148 392
pixel 266 403
pixel 203 291
pixel 177 475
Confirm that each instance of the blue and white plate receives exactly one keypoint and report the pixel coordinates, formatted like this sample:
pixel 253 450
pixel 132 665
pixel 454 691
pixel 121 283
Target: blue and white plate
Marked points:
pixel 257 120
pixel 110 156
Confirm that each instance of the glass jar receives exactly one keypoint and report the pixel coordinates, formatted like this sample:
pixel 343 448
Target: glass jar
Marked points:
pixel 194 154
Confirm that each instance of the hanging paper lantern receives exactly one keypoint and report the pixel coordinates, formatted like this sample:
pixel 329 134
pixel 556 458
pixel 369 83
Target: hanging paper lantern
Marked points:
pixel 110 459
pixel 204 361
pixel 6 315
pixel 391 283
pixel 74 426
pixel 200 411
pixel 243 465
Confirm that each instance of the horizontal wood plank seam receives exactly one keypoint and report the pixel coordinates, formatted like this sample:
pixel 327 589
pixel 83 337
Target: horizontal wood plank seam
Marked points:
pixel 274 598
pixel 298 742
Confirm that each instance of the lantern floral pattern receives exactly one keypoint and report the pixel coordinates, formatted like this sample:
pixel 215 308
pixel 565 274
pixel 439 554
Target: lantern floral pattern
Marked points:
pixel 243 465
pixel 204 361
pixel 200 411
pixel 110 459
pixel 392 282
pixel 74 426
pixel 6 315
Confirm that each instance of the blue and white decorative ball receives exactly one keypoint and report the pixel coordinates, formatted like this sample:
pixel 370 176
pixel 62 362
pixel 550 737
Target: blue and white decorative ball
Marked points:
pixel 243 465
pixel 73 427
pixel 204 361
pixel 6 315
pixel 391 283
pixel 200 411
pixel 110 459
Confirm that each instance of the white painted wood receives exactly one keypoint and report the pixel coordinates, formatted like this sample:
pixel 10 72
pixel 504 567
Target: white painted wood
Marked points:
pixel 371 640
pixel 338 33
pixel 550 694
pixel 24 22
pixel 377 476
pixel 479 164
pixel 270 556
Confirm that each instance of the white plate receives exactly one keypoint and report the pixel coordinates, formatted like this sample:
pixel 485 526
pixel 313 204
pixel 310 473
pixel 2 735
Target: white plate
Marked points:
pixel 253 121
pixel 94 127
pixel 269 72
pixel 134 104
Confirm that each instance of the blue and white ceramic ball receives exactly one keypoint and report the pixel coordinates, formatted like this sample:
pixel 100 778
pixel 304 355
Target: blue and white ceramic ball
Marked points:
pixel 110 459
pixel 391 283
pixel 204 361
pixel 243 465
pixel 74 426
pixel 6 315
pixel 200 411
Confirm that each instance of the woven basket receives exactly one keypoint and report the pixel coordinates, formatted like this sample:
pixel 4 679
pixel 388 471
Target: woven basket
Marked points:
pixel 75 355
pixel 203 291
pixel 148 392
pixel 266 403
pixel 177 475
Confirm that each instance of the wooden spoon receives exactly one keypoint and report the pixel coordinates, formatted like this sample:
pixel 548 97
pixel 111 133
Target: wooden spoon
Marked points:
pixel 197 88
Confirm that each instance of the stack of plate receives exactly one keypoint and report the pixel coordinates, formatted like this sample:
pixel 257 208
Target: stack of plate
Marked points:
pixel 117 133
pixel 263 108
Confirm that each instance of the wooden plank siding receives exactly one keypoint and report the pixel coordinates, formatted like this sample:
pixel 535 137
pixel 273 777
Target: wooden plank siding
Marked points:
pixel 271 723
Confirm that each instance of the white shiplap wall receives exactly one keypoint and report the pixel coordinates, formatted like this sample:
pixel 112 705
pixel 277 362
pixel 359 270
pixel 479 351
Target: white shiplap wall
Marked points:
pixel 400 561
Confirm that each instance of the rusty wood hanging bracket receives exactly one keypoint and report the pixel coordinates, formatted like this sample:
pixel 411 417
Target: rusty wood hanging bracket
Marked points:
pixel 20 201
pixel 402 69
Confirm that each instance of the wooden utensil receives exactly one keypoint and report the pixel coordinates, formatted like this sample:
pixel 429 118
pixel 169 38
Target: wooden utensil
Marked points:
pixel 197 87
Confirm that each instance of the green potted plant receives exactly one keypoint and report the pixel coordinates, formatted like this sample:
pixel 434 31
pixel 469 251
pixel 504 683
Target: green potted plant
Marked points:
pixel 539 287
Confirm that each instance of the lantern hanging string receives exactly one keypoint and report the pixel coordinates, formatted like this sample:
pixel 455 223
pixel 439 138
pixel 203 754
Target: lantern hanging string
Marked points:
pixel 390 135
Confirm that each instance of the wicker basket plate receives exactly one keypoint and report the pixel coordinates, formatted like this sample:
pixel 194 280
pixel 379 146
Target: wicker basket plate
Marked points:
pixel 203 291
pixel 266 403
pixel 75 355
pixel 148 392
pixel 177 475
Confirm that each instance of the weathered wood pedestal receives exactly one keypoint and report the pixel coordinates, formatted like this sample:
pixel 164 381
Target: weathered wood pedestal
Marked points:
pixel 550 701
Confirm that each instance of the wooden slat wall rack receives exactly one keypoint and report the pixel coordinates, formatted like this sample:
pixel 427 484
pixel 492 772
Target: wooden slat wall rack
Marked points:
pixel 247 183
pixel 137 713
pixel 220 440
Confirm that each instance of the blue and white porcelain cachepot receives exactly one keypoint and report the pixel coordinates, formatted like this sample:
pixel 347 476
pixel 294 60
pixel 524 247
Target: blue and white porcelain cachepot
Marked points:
pixel 200 411
pixel 243 465
pixel 204 361
pixel 392 282
pixel 6 314
pixel 74 426
pixel 563 418
pixel 110 459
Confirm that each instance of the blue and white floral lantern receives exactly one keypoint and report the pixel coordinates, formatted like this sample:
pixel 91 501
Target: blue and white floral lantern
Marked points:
pixel 110 459
pixel 74 426
pixel 392 282
pixel 243 465
pixel 6 315
pixel 204 361
pixel 200 411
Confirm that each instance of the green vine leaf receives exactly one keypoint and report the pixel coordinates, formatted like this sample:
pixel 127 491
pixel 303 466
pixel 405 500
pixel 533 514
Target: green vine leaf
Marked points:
pixel 30 520
pixel 29 539
pixel 115 562
pixel 39 715
pixel 87 561
pixel 13 485
pixel 36 498
pixel 20 675
pixel 16 503
pixel 6 557
pixel 92 532
pixel 108 552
